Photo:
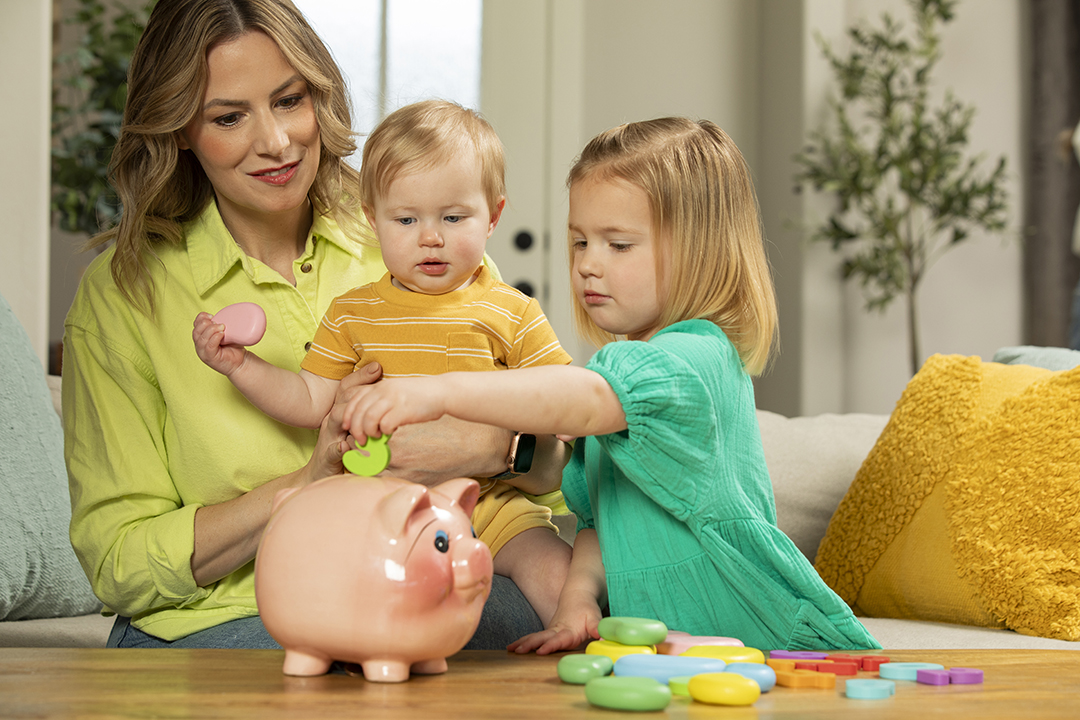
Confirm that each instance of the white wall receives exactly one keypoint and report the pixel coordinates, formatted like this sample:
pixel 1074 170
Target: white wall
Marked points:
pixel 24 187
pixel 838 357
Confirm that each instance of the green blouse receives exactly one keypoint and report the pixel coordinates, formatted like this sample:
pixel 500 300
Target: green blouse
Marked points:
pixel 683 506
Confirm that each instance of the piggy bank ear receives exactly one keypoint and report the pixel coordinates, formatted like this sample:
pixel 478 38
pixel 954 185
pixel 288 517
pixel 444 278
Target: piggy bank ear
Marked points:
pixel 398 508
pixel 462 491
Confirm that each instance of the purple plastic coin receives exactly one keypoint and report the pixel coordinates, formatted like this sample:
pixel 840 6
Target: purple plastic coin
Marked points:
pixel 965 676
pixel 797 655
pixel 932 677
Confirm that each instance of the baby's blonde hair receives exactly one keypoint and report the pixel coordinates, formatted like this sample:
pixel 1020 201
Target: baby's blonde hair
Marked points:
pixel 705 215
pixel 424 134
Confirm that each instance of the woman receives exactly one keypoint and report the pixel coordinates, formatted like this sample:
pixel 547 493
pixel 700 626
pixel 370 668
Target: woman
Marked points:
pixel 231 170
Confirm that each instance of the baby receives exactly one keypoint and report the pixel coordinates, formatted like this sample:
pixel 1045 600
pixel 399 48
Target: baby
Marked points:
pixel 432 189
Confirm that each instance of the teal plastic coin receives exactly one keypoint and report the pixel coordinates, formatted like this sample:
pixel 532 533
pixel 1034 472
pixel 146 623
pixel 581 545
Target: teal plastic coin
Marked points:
pixel 905 670
pixel 869 689
pixel 633 631
pixel 627 693
pixel 370 465
pixel 661 668
pixel 580 668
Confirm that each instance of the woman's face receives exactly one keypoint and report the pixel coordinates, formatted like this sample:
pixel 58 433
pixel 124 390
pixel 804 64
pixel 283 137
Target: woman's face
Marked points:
pixel 256 134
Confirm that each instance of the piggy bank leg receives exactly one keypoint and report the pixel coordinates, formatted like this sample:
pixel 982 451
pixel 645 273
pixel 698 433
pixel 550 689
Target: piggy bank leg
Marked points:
pixel 304 664
pixel 385 670
pixel 429 667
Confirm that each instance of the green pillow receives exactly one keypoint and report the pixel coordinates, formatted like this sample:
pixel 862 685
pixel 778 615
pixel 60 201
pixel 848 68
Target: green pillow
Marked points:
pixel 39 574
pixel 1048 358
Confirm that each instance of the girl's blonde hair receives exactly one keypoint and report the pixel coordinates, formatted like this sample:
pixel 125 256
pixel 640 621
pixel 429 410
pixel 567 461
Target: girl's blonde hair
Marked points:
pixel 162 187
pixel 424 134
pixel 705 215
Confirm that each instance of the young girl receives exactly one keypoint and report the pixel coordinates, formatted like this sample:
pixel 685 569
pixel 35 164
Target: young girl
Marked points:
pixel 675 508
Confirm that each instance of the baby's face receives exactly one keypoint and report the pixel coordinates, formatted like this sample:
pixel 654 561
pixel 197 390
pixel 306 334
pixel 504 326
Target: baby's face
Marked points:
pixel 433 225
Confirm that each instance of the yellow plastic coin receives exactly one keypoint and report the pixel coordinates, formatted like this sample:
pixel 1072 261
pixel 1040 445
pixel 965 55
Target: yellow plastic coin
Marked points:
pixel 727 653
pixel 723 689
pixel 616 650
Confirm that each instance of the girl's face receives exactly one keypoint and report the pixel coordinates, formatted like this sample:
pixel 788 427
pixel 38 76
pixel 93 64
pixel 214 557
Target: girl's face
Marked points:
pixel 615 249
pixel 256 134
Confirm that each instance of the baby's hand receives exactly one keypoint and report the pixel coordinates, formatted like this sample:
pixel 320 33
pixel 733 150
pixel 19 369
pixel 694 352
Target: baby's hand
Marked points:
pixel 208 337
pixel 382 408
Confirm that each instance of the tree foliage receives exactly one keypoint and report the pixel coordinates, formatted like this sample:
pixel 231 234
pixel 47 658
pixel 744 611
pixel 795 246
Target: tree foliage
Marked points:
pixel 85 127
pixel 895 162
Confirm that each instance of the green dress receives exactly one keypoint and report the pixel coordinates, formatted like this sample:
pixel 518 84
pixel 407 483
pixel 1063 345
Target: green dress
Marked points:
pixel 683 507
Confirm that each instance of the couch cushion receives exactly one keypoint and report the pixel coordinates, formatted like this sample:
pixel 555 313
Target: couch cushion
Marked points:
pixel 39 574
pixel 965 511
pixel 1051 358
pixel 812 461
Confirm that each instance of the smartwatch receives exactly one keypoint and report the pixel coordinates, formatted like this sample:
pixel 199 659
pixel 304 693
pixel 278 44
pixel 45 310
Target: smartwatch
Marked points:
pixel 520 457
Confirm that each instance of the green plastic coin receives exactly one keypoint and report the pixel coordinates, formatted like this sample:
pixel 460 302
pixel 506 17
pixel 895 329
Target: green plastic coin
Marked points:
pixel 678 685
pixel 627 693
pixel 370 465
pixel 633 631
pixel 580 668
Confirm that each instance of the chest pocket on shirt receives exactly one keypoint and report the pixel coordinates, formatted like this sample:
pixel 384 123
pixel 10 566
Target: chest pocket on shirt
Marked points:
pixel 470 352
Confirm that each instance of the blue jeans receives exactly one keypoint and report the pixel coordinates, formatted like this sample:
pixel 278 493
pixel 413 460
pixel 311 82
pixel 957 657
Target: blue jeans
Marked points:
pixel 507 616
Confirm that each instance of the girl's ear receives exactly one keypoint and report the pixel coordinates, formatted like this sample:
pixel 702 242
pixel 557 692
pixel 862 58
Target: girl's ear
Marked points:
pixel 181 140
pixel 369 215
pixel 496 214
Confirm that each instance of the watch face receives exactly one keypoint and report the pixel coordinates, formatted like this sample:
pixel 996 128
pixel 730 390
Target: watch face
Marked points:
pixel 523 453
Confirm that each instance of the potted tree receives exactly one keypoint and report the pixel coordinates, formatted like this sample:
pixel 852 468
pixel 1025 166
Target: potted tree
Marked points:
pixel 895 162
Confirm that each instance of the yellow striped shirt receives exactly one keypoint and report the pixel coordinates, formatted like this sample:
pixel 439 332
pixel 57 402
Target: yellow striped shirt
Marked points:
pixel 485 326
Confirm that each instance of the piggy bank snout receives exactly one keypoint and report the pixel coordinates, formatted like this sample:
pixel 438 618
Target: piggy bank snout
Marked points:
pixel 472 568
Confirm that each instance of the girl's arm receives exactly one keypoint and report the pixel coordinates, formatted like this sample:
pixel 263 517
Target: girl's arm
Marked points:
pixel 553 399
pixel 577 618
pixel 299 399
pixel 432 452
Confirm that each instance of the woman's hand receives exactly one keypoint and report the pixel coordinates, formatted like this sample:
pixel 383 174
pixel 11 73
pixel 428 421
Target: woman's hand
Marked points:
pixel 208 336
pixel 575 622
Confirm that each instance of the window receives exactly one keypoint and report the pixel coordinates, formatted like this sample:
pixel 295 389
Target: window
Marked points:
pixel 394 52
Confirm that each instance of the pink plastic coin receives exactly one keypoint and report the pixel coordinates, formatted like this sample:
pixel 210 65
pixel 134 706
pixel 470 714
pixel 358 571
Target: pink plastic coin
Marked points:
pixel 245 323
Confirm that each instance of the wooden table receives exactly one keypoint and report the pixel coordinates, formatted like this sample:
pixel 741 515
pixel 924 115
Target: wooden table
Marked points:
pixel 64 683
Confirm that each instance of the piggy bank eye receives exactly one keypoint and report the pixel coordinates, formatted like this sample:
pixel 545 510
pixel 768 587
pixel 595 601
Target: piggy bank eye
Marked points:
pixel 442 541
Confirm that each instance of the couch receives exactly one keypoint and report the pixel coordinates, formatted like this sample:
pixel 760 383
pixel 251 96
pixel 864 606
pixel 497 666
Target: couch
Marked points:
pixel 812 461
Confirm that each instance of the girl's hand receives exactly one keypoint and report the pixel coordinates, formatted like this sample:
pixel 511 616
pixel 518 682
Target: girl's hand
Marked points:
pixel 208 337
pixel 382 408
pixel 574 623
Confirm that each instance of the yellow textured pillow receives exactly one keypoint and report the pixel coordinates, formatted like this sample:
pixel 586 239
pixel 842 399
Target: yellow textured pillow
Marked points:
pixel 967 510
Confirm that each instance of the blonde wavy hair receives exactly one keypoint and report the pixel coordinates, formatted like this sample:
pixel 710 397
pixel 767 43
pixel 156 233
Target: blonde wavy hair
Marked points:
pixel 705 214
pixel 162 187
pixel 424 134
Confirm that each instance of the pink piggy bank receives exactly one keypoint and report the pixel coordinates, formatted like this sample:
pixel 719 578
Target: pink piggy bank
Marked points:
pixel 375 571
